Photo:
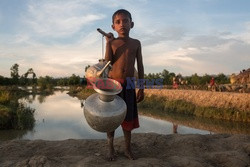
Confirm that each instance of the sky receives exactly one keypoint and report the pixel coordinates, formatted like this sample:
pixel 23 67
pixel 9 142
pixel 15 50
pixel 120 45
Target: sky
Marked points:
pixel 58 38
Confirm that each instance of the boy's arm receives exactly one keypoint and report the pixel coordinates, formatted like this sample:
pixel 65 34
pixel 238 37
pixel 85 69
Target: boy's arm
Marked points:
pixel 109 52
pixel 140 63
pixel 140 93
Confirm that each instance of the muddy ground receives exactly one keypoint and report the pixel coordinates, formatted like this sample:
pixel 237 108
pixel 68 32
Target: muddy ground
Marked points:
pixel 150 150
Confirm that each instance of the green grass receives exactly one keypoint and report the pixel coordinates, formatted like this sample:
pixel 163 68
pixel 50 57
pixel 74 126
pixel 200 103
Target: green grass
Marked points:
pixel 81 92
pixel 24 117
pixel 5 117
pixel 4 97
pixel 16 117
pixel 14 114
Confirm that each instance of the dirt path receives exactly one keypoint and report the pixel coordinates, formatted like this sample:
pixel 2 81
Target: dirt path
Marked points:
pixel 150 149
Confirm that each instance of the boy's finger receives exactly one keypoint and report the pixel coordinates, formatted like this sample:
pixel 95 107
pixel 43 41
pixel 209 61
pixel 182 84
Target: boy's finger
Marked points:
pixel 139 98
pixel 110 35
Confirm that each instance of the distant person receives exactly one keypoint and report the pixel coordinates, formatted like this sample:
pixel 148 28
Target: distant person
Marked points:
pixel 212 84
pixel 122 52
pixel 175 83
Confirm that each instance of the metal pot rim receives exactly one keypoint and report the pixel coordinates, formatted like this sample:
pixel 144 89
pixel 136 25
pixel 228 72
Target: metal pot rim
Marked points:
pixel 117 90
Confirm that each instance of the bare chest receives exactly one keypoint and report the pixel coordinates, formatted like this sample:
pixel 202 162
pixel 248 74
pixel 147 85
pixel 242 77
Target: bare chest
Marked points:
pixel 124 51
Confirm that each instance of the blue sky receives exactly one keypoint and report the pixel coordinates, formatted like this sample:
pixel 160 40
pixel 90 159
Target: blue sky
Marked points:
pixel 59 37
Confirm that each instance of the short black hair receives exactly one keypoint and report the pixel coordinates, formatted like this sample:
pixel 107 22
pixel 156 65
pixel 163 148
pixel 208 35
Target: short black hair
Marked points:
pixel 121 11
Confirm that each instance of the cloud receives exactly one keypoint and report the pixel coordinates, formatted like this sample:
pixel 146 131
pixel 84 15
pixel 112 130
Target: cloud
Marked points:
pixel 164 55
pixel 205 41
pixel 156 35
pixel 60 61
pixel 53 19
pixel 59 38
pixel 245 36
pixel 211 53
pixel 22 39
pixel 57 61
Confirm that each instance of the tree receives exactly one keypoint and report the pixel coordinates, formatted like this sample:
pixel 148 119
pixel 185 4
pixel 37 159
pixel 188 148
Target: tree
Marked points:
pixel 205 79
pixel 62 82
pixel 195 79
pixel 222 79
pixel 45 83
pixel 166 77
pixel 74 80
pixel 150 76
pixel 4 80
pixel 14 73
pixel 30 71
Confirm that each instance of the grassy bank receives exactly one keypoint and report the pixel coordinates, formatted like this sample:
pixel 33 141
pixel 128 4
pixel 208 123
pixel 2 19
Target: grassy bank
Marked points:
pixel 163 106
pixel 239 101
pixel 14 114
pixel 207 104
pixel 81 92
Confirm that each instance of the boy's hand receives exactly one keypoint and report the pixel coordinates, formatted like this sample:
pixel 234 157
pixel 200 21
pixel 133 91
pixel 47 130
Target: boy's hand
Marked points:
pixel 110 37
pixel 140 95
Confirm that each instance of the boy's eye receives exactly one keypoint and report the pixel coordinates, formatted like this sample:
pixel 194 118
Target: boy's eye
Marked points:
pixel 121 21
pixel 125 21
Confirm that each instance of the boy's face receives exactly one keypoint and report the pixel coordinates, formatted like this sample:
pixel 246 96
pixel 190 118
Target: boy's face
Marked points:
pixel 122 24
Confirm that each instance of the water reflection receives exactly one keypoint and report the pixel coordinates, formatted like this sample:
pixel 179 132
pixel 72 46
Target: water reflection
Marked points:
pixel 175 126
pixel 61 117
pixel 148 124
pixel 210 125
pixel 32 97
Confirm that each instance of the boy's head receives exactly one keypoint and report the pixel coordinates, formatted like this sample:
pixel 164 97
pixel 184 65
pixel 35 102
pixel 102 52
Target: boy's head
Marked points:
pixel 122 22
pixel 122 11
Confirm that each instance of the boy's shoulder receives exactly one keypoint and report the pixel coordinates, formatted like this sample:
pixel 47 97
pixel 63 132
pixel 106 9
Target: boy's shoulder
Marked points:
pixel 135 40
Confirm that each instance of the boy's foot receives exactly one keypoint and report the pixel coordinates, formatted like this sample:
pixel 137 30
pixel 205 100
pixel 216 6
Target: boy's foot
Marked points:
pixel 129 155
pixel 111 155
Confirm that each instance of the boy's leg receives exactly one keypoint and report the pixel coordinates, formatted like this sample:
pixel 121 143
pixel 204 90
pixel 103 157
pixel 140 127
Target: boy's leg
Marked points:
pixel 111 150
pixel 127 137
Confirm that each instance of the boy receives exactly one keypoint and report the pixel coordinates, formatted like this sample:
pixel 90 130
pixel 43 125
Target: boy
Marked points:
pixel 122 52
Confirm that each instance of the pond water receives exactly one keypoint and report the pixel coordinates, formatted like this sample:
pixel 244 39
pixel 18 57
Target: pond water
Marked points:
pixel 60 116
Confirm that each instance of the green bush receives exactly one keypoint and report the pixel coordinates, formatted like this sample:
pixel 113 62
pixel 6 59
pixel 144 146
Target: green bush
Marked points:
pixel 14 114
pixel 25 117
pixel 5 117
pixel 4 97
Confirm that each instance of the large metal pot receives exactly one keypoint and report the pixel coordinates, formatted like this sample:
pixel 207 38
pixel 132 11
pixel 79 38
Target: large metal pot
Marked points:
pixel 104 110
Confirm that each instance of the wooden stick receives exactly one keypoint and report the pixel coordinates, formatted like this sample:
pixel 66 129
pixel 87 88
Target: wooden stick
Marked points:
pixel 103 33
